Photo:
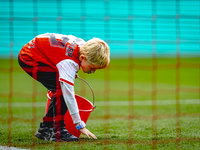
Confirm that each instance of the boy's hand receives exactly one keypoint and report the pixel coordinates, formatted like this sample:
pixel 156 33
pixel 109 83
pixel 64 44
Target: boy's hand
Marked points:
pixel 87 133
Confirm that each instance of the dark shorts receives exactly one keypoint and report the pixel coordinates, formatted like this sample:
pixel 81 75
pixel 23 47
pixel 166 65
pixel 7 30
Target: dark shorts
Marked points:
pixel 49 77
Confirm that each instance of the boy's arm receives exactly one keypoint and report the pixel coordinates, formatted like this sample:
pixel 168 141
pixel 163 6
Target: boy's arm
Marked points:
pixel 68 94
pixel 67 73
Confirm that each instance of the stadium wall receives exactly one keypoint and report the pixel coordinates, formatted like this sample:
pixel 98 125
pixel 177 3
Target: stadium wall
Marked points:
pixel 142 28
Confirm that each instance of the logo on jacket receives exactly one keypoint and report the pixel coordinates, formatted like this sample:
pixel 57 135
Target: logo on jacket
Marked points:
pixel 69 50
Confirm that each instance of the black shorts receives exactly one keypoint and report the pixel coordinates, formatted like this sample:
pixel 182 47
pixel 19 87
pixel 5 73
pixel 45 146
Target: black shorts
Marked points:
pixel 49 77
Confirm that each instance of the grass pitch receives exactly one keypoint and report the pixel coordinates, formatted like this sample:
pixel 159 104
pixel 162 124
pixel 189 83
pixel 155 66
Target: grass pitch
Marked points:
pixel 141 104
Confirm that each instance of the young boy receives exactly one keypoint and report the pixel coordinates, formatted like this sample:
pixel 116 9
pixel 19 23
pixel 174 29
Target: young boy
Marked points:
pixel 54 60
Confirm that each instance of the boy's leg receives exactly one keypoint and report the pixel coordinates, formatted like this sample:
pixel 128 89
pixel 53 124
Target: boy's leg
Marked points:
pixel 46 73
pixel 49 76
pixel 60 108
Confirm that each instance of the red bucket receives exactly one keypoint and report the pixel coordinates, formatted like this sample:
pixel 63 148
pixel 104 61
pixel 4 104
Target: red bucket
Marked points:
pixel 85 108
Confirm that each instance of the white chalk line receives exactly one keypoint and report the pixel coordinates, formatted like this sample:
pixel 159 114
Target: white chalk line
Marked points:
pixel 113 103
pixel 10 148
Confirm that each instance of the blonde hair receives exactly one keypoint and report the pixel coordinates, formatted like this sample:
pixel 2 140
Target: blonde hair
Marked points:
pixel 97 52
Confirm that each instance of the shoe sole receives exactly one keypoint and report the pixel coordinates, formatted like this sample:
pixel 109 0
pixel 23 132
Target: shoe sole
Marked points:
pixel 40 136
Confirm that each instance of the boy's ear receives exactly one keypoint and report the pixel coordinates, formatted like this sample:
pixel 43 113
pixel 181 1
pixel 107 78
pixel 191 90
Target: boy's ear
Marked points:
pixel 81 57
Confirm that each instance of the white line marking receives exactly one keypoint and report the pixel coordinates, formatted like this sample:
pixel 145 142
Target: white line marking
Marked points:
pixel 112 103
pixel 10 148
pixel 148 102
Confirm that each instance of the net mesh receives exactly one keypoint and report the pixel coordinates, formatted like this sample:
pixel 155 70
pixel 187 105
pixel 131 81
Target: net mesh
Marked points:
pixel 152 43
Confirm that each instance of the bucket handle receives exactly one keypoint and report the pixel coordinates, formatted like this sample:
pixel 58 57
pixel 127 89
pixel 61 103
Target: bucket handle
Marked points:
pixel 90 89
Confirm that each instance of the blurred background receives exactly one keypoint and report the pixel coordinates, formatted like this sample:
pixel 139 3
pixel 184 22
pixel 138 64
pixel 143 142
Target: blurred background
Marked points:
pixel 151 87
pixel 137 27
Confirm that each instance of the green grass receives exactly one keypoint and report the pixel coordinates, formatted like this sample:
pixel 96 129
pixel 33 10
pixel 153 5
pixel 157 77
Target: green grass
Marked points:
pixel 128 121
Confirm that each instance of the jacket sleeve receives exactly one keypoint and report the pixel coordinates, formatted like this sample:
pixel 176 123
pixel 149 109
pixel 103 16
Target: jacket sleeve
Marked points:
pixel 69 97
pixel 67 70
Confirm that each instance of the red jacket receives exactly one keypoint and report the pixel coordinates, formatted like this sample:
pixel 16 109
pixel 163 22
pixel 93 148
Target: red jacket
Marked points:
pixel 50 49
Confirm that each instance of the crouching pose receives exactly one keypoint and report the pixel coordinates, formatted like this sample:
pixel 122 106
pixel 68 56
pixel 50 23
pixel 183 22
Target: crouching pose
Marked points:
pixel 54 60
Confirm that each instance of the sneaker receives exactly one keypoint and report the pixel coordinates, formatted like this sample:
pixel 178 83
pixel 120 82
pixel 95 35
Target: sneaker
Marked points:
pixel 44 133
pixel 64 136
